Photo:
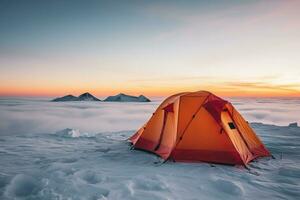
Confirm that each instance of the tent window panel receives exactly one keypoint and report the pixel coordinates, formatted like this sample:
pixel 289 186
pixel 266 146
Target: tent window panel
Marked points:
pixel 231 125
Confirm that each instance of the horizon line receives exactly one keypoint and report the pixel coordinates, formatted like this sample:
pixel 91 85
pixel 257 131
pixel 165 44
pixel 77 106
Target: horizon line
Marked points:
pixel 150 96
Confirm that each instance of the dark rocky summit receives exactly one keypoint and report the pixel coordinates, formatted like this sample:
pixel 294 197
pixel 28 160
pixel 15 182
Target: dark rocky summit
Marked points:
pixel 83 97
pixel 87 97
pixel 295 124
pixel 117 98
pixel 127 98
pixel 66 98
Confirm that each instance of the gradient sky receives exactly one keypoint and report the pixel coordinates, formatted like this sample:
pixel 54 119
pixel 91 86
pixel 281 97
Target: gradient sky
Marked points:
pixel 233 48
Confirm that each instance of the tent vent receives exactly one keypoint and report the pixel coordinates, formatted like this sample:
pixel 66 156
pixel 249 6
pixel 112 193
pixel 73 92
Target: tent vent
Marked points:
pixel 231 125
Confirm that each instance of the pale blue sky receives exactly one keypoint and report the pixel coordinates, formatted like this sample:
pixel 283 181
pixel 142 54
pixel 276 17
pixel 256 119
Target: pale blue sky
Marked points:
pixel 155 47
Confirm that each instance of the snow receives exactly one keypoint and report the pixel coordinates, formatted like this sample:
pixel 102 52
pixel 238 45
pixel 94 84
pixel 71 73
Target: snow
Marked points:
pixel 77 150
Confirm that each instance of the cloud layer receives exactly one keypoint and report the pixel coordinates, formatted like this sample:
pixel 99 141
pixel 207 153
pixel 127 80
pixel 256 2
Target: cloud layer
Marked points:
pixel 41 116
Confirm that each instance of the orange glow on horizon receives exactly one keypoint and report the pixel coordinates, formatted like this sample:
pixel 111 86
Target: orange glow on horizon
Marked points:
pixel 224 91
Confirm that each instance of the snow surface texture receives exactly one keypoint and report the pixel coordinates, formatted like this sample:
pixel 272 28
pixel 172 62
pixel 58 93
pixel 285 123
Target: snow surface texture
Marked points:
pixel 78 151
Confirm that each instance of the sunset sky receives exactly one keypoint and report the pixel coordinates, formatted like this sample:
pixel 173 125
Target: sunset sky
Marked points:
pixel 155 48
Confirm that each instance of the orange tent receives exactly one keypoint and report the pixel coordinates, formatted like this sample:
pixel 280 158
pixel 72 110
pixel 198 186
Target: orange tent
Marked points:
pixel 199 126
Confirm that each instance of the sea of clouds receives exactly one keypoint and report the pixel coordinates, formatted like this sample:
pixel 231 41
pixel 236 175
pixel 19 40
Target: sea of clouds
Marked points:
pixel 42 116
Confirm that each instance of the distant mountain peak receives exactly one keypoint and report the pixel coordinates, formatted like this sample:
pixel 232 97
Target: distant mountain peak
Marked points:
pixel 87 97
pixel 121 97
pixel 86 93
pixel 83 97
pixel 70 95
